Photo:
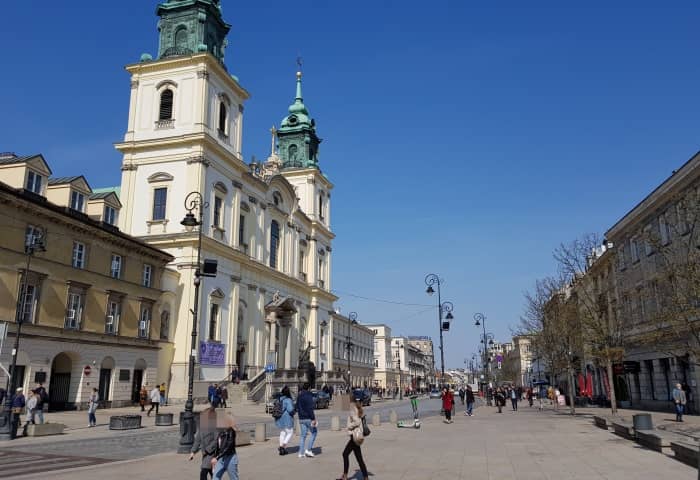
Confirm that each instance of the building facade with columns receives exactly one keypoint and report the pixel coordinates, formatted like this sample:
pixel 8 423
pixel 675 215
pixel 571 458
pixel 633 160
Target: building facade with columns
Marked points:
pixel 353 352
pixel 267 225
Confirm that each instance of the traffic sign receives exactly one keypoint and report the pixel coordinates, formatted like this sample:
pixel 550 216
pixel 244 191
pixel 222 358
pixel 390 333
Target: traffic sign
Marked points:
pixel 87 370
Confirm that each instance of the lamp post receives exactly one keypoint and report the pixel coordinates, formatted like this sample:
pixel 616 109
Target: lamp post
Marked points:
pixel 446 307
pixel 193 201
pixel 480 320
pixel 35 242
pixel 399 347
pixel 352 316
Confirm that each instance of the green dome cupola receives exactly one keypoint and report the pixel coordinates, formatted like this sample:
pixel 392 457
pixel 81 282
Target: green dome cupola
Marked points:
pixel 298 142
pixel 188 27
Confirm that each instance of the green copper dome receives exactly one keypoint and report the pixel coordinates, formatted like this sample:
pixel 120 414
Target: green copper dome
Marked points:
pixel 298 142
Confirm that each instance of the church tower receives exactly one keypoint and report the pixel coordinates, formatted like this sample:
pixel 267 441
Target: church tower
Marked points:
pixel 298 142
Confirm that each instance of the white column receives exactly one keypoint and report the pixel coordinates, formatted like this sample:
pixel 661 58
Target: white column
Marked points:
pixel 236 216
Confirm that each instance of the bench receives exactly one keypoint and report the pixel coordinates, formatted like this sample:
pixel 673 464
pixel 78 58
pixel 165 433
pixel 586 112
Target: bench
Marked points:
pixel 653 440
pixel 42 429
pixel 124 422
pixel 685 452
pixel 625 430
pixel 600 422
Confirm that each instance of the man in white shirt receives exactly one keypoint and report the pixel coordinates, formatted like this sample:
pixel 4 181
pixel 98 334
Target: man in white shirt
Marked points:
pixel 155 400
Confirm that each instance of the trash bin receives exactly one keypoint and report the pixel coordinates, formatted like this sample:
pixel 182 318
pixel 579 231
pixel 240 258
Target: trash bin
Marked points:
pixel 642 421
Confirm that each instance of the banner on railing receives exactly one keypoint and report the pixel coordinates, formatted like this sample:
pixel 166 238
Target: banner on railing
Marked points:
pixel 212 353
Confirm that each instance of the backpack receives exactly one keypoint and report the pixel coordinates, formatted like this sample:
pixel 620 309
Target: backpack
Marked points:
pixel 277 409
pixel 226 443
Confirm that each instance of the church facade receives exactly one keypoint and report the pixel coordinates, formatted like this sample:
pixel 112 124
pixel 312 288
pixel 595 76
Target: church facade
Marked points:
pixel 268 226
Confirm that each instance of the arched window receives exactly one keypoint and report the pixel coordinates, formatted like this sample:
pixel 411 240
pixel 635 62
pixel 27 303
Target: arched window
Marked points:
pixel 213 321
pixel 292 150
pixel 166 105
pixel 164 325
pixel 222 117
pixel 181 37
pixel 274 242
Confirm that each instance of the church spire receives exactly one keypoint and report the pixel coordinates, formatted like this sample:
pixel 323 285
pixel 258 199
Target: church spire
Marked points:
pixel 298 142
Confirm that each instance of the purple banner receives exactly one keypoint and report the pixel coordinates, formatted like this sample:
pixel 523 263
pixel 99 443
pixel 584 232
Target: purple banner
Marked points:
pixel 211 353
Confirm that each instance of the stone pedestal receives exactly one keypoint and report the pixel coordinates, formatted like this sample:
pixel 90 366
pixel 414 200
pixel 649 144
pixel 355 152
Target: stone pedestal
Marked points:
pixel 376 420
pixel 393 417
pixel 260 432
pixel 335 423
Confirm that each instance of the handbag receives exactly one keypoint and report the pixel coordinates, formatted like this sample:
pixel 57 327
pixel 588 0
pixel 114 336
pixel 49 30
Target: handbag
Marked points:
pixel 365 429
pixel 357 436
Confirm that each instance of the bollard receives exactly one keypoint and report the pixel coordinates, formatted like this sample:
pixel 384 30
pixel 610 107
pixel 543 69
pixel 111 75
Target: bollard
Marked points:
pixel 260 432
pixel 393 418
pixel 335 423
pixel 376 420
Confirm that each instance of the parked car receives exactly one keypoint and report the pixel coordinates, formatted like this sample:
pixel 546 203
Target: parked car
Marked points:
pixel 321 399
pixel 362 395
pixel 435 393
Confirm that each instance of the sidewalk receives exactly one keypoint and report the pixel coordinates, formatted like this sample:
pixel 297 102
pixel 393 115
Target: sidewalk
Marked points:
pixel 524 445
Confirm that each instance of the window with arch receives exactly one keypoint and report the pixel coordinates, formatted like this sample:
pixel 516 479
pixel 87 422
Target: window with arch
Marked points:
pixel 181 37
pixel 277 199
pixel 164 325
pixel 223 117
pixel 292 151
pixel 213 321
pixel 274 243
pixel 166 105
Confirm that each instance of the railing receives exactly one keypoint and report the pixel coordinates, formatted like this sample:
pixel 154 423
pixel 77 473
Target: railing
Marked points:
pixel 163 124
pixel 256 385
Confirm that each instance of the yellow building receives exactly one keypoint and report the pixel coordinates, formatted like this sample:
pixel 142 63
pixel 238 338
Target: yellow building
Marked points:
pixel 89 298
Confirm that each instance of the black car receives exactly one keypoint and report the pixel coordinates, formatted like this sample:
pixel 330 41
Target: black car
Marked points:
pixel 362 396
pixel 321 399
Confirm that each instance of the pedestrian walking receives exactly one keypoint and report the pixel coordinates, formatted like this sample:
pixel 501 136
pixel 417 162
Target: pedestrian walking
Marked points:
pixel 514 399
pixel 356 431
pixel 225 459
pixel 286 420
pixel 500 399
pixel 529 395
pixel 205 440
pixel 216 401
pixel 42 401
pixel 143 396
pixel 92 408
pixel 447 403
pixel 469 396
pixel 17 405
pixel 30 409
pixel 461 395
pixel 679 399
pixel 211 390
pixel 307 421
pixel 162 393
pixel 224 396
pixel 155 400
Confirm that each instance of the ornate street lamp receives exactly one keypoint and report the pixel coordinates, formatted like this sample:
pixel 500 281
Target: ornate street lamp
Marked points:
pixel 193 201
pixel 443 308
pixel 35 242
pixel 352 316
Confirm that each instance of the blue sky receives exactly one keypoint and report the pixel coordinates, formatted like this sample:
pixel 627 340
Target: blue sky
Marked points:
pixel 464 139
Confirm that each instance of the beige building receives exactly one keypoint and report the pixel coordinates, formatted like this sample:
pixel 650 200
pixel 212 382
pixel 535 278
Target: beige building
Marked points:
pixel 425 373
pixel 90 298
pixel 353 352
pixel 386 374
pixel 519 360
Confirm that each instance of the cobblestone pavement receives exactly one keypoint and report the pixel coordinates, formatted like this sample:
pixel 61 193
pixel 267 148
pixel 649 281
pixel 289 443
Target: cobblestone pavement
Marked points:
pixel 524 445
pixel 18 464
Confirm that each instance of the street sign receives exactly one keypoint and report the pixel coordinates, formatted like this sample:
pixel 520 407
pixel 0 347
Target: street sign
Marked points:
pixel 270 368
pixel 87 370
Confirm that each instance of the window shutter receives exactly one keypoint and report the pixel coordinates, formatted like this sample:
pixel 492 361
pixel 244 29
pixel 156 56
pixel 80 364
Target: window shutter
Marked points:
pixel 166 105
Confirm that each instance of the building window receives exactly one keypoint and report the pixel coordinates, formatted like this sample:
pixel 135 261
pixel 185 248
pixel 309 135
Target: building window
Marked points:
pixel 321 274
pixel 114 308
pixel 34 182
pixel 160 199
pixel 29 292
pixel 223 116
pixel 79 253
pixel 32 237
pixel 164 325
pixel 320 205
pixel 302 264
pixel 77 201
pixel 166 105
pixel 110 215
pixel 634 250
pixel 74 309
pixel 146 278
pixel 664 230
pixel 145 321
pixel 218 211
pixel 213 321
pixel 116 267
pixel 241 232
pixel 274 242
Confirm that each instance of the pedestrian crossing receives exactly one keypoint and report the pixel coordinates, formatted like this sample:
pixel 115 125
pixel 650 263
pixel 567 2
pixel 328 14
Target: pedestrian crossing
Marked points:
pixel 15 464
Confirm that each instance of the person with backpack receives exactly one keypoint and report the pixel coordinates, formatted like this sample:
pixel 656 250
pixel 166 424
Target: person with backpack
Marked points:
pixel 469 396
pixel 225 458
pixel 357 429
pixel 283 412
pixel 42 399
pixel 307 420
pixel 205 440
pixel 92 408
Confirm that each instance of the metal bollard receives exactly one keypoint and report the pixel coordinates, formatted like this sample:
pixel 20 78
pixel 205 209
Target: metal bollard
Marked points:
pixel 376 420
pixel 335 423
pixel 260 432
pixel 393 417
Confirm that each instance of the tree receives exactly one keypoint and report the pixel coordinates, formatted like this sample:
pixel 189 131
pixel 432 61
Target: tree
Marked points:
pixel 588 266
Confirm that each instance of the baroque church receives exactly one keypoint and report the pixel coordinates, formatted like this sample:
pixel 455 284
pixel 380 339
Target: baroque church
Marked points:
pixel 268 225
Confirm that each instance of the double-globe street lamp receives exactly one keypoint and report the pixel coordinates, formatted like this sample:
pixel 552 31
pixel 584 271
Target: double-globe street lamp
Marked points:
pixel 194 201
pixel 443 307
pixel 352 316
pixel 34 242
pixel 480 320
pixel 399 347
